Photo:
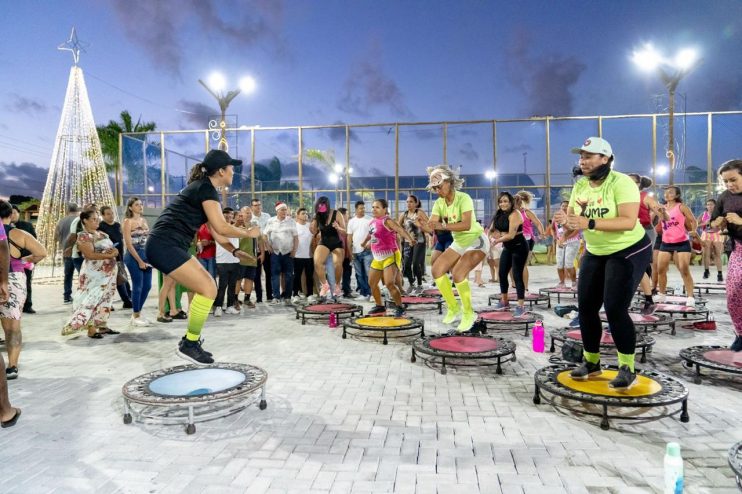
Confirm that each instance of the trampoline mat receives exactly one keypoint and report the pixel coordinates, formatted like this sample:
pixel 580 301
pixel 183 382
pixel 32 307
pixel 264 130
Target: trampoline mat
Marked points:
pixel 328 307
pixel 500 315
pixel 434 292
pixel 605 339
pixel 463 344
pixel 383 321
pixel 555 289
pixel 196 382
pixel 674 308
pixel 598 385
pixel 420 300
pixel 725 357
pixel 529 296
pixel 635 317
pixel 678 300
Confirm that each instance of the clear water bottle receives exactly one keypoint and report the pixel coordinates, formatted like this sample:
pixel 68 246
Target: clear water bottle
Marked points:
pixel 673 469
pixel 538 337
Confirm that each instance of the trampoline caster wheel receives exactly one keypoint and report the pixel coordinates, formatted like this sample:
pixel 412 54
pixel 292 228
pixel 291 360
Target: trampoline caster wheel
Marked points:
pixel 190 429
pixel 604 424
pixel 687 364
pixel 413 359
pixel 697 380
pixel 536 399
pixel 684 418
pixel 444 371
pixel 127 418
pixel 514 358
pixel 262 405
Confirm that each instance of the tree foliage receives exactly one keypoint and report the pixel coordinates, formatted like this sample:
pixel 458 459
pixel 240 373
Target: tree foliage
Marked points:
pixel 109 136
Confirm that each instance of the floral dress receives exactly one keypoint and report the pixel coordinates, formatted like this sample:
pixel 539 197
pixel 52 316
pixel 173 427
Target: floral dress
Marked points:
pixel 93 298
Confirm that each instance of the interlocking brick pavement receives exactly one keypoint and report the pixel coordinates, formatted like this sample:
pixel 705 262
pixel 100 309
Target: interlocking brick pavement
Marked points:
pixel 343 416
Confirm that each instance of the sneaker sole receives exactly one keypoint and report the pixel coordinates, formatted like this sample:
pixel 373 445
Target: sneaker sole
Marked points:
pixel 624 388
pixel 190 359
pixel 585 378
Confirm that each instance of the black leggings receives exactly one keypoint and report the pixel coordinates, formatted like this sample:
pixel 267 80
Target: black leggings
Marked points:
pixel 305 266
pixel 414 262
pixel 611 280
pixel 514 257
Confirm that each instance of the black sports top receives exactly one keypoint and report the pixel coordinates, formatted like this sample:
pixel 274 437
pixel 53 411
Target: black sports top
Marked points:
pixel 502 224
pixel 181 219
pixel 329 235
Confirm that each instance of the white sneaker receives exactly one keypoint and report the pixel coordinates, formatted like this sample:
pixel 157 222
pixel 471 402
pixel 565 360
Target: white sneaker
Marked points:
pixel 661 298
pixel 218 312
pixel 139 321
pixel 295 299
pixel 690 302
pixel 231 311
pixel 312 299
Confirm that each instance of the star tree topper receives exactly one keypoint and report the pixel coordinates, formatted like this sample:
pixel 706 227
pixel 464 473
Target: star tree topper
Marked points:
pixel 73 45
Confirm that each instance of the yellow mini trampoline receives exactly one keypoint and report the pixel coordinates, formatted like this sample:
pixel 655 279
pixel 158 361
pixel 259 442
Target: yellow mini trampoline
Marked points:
pixel 382 326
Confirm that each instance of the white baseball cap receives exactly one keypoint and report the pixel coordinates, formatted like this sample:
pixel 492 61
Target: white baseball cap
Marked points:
pixel 596 145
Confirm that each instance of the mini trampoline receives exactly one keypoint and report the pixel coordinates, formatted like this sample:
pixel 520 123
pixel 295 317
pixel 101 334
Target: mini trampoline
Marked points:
pixel 558 292
pixel 701 288
pixel 389 327
pixel 187 394
pixel 652 390
pixel 735 462
pixel 713 357
pixel 691 313
pixel 413 302
pixel 323 311
pixel 643 341
pixel 674 300
pixel 434 292
pixel 531 298
pixel 646 322
pixel 463 350
pixel 504 320
pixel 668 290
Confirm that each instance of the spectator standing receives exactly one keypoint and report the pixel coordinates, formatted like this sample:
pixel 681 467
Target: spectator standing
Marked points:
pixel 261 219
pixel 206 250
pixel 62 232
pixel 283 239
pixel 347 268
pixel 248 264
pixel 113 230
pixel 8 414
pixel 227 269
pixel 303 262
pixel 27 227
pixel 136 233
pixel 358 229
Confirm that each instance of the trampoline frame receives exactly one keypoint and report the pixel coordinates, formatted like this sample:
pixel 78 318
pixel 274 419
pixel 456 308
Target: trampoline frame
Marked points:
pixel 421 348
pixel 436 301
pixel 734 457
pixel 693 357
pixel 639 300
pixel 527 322
pixel 673 391
pixel 696 314
pixel 643 341
pixel 665 320
pixel 709 287
pixel 417 325
pixel 540 298
pixel 231 400
pixel 558 292
pixel 351 311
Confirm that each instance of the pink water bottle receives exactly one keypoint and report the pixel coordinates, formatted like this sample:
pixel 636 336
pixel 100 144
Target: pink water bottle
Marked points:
pixel 333 320
pixel 538 337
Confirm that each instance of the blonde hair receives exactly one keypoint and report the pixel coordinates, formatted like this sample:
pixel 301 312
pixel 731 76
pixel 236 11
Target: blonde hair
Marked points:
pixel 449 175
pixel 525 197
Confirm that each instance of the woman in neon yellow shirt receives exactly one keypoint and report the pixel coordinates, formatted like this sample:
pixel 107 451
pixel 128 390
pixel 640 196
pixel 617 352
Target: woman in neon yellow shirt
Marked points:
pixel 454 211
pixel 605 206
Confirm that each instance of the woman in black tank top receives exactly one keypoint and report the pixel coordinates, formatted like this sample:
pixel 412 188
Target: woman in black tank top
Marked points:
pixel 330 225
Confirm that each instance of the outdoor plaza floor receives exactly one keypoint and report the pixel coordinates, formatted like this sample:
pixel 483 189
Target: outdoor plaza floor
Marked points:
pixel 345 415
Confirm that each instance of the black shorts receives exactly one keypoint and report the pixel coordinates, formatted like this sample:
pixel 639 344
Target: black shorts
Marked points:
pixel 677 247
pixel 657 242
pixel 248 272
pixel 531 243
pixel 164 255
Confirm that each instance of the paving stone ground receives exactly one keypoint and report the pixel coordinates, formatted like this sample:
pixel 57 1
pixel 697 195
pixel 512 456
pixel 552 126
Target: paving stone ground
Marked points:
pixel 343 416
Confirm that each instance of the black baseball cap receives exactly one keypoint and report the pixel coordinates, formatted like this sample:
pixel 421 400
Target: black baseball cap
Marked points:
pixel 216 158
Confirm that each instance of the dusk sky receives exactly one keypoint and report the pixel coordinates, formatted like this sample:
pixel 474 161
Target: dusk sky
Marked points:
pixel 324 62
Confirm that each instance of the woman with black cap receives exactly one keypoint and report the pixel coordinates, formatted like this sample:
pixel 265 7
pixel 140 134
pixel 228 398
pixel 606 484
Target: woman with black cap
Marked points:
pixel 605 205
pixel 173 232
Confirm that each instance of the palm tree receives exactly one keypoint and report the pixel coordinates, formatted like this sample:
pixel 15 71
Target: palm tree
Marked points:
pixel 109 136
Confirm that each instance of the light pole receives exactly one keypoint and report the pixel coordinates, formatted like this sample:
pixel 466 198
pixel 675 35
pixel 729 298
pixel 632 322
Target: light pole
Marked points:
pixel 492 175
pixel 339 174
pixel 215 87
pixel 671 71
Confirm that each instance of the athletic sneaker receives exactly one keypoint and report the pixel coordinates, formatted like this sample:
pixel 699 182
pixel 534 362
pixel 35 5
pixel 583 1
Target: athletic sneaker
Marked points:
pixel 11 373
pixel 624 380
pixel 575 323
pixel 690 302
pixel 502 305
pixel 377 310
pixel 218 312
pixel 661 298
pixel 519 311
pixel 192 351
pixel 648 308
pixel 295 299
pixel 139 321
pixel 275 301
pixel 737 345
pixel 561 286
pixel 324 289
pixel 706 274
pixel 585 370
pixel 467 321
pixel 312 299
pixel 451 316
pixel 200 342
pixel 338 290
pixel 231 311
pixel 399 311
pixel 719 277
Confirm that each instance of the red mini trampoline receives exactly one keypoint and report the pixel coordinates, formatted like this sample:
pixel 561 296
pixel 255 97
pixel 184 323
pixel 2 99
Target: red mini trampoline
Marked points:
pixel 647 322
pixel 323 311
pixel 558 292
pixel 707 288
pixel 531 298
pixel 504 320
pixel 463 350
pixel 434 292
pixel 714 357
pixel 643 341
pixel 691 313
pixel 388 326
pixel 413 302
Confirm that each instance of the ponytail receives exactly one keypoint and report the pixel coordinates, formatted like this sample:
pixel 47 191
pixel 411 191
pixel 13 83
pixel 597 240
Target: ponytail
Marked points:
pixel 198 172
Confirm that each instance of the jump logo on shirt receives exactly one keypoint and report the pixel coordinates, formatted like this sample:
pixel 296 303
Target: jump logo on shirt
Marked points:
pixel 592 209
pixel 666 225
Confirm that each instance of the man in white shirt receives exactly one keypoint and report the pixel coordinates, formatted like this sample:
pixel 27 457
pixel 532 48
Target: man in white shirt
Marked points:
pixel 283 239
pixel 228 270
pixel 303 261
pixel 261 219
pixel 358 228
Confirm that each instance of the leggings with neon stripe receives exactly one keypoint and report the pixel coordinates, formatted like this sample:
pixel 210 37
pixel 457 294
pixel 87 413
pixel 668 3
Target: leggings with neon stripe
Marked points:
pixel 611 280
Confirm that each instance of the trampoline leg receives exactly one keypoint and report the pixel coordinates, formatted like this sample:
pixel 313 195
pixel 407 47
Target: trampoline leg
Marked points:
pixel 413 358
pixel 190 426
pixel 499 367
pixel 489 301
pixel 684 414
pixel 526 331
pixel 697 378
pixel 536 395
pixel 422 330
pixel 604 421
pixel 127 412
pixel 440 309
pixel 552 349
pixel 386 341
pixel 263 404
pixel 344 335
pixel 644 355
pixel 672 328
pixel 443 366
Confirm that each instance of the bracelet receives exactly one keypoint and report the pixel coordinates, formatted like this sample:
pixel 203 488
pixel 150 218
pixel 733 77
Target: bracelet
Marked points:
pixel 236 249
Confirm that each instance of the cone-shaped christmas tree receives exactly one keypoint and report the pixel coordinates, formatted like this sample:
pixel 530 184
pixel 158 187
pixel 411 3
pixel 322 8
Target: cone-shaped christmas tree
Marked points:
pixel 77 172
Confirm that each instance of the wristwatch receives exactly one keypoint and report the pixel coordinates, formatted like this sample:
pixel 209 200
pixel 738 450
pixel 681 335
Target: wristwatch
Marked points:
pixel 591 224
